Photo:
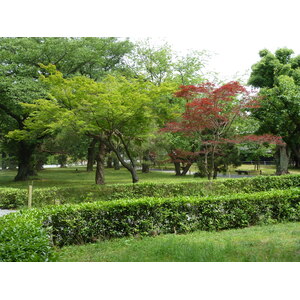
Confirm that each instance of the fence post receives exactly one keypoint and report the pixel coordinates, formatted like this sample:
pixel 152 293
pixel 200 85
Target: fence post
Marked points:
pixel 30 188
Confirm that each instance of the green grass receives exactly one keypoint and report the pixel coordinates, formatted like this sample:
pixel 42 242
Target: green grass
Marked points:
pixel 70 177
pixel 271 243
pixel 57 177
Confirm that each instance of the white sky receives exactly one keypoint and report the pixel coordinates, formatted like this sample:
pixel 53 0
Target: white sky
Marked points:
pixel 235 30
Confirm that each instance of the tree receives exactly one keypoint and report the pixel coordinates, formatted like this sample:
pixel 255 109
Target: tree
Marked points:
pixel 209 118
pixel 116 112
pixel 160 64
pixel 19 73
pixel 278 76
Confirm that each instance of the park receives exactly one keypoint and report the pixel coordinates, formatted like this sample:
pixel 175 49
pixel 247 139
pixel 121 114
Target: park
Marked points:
pixel 113 150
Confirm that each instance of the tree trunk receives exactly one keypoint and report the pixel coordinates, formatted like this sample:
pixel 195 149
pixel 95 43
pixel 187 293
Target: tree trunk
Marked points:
pixel 177 168
pixel 296 154
pixel 146 162
pixel 91 155
pixel 25 166
pixel 39 166
pixel 215 175
pixel 100 157
pixel 116 163
pixel 282 161
pixel 62 160
pixel 130 167
pixel 3 161
pixel 186 169
pixel 109 162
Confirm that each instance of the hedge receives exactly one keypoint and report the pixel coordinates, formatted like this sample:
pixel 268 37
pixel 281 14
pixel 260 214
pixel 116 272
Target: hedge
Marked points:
pixel 24 238
pixel 89 222
pixel 15 198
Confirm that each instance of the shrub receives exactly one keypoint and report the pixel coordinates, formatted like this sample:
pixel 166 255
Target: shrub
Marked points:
pixel 29 235
pixel 91 221
pixel 23 238
pixel 14 198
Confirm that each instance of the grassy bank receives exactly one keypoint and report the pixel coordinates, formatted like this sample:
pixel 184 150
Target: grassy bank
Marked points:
pixel 271 243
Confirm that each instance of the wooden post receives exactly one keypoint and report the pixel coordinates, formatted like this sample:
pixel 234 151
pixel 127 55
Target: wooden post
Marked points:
pixel 30 195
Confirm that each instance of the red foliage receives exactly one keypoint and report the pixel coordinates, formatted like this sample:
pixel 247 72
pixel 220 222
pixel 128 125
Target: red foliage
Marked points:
pixel 261 139
pixel 183 156
pixel 210 107
pixel 211 110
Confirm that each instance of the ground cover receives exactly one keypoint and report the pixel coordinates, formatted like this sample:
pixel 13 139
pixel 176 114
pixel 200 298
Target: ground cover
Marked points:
pixel 268 243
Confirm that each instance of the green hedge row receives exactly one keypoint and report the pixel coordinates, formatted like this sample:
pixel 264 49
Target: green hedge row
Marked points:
pixel 29 235
pixel 14 198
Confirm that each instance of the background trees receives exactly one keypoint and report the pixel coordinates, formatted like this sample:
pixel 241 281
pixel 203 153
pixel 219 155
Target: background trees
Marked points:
pixel 19 73
pixel 278 76
pixel 117 112
pixel 128 88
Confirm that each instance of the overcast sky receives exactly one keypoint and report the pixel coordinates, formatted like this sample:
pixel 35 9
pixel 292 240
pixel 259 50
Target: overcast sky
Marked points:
pixel 232 30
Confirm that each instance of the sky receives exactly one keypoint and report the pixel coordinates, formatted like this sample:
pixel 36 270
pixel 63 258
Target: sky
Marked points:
pixel 232 31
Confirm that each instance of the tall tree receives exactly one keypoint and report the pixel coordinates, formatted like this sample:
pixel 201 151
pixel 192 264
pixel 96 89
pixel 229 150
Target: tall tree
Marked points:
pixel 278 76
pixel 19 73
pixel 159 64
pixel 116 112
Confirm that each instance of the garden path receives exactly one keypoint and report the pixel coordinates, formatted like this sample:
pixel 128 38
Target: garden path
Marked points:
pixel 6 211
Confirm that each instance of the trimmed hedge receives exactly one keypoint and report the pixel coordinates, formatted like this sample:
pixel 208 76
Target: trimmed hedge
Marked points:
pixel 22 232
pixel 11 198
pixel 15 198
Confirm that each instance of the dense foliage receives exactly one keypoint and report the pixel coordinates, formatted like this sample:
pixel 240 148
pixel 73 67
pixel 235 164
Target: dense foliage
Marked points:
pixel 28 235
pixel 278 77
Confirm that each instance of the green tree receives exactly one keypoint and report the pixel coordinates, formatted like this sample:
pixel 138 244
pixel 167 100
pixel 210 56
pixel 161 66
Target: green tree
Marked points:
pixel 117 112
pixel 159 64
pixel 19 73
pixel 278 76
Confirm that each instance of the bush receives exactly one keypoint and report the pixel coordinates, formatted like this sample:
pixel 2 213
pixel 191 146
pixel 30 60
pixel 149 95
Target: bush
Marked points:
pixel 14 198
pixel 24 238
pixel 100 220
pixel 29 234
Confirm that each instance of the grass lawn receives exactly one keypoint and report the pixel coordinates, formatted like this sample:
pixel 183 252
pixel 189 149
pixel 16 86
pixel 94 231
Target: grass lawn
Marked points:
pixel 70 177
pixel 269 243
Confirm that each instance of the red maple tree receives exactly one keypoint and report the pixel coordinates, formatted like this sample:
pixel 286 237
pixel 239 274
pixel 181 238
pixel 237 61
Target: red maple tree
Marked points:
pixel 209 115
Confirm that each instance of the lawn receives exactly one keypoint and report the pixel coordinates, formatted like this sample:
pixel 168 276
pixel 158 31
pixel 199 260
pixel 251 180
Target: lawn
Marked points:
pixel 77 176
pixel 70 177
pixel 269 243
